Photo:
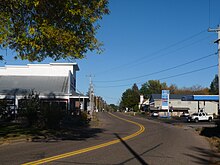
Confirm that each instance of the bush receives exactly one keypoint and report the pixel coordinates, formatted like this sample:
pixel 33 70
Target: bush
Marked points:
pixel 51 116
pixel 30 108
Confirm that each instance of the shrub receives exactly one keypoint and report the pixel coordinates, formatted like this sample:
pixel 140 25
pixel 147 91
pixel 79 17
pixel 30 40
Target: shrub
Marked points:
pixel 30 108
pixel 51 116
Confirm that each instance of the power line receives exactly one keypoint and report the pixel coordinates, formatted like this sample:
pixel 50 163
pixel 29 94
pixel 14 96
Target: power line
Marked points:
pixel 176 50
pixel 154 53
pixel 181 74
pixel 177 75
pixel 164 70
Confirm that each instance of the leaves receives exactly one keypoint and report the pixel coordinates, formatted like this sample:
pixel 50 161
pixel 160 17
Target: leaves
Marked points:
pixel 214 86
pixel 152 87
pixel 38 29
pixel 130 98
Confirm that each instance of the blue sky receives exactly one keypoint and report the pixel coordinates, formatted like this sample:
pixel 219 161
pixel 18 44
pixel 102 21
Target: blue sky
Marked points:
pixel 141 38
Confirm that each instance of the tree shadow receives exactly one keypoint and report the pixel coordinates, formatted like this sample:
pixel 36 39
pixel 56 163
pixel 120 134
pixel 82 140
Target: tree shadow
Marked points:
pixel 135 154
pixel 75 134
pixel 204 156
pixel 211 131
pixel 17 131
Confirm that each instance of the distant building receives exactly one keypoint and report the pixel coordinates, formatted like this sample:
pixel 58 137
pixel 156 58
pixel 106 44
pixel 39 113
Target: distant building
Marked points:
pixel 179 104
pixel 55 83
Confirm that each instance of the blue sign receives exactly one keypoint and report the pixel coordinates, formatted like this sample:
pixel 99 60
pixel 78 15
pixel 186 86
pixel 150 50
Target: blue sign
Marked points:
pixel 165 99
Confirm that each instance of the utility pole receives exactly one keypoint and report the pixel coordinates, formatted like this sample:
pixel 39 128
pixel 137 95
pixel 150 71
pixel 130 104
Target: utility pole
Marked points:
pixel 91 93
pixel 218 42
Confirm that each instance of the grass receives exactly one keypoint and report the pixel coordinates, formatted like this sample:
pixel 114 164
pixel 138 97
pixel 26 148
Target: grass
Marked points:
pixel 94 120
pixel 215 141
pixel 15 131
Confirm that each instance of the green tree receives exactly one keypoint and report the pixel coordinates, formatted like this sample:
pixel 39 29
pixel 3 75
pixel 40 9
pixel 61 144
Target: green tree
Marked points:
pixel 130 98
pixel 152 87
pixel 113 107
pixel 214 86
pixel 37 29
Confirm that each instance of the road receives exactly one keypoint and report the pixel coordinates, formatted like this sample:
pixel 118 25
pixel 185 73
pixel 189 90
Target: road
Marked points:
pixel 115 142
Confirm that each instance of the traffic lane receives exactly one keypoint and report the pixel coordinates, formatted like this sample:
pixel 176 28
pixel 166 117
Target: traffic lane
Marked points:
pixel 185 145
pixel 174 145
pixel 30 151
pixel 159 144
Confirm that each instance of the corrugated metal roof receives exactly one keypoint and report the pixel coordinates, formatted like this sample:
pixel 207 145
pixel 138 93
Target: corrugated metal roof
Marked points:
pixel 41 84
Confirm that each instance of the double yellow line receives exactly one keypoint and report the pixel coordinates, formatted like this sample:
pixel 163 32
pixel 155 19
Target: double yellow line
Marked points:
pixel 68 154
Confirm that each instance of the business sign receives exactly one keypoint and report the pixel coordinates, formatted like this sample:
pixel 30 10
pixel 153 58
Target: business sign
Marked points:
pixel 165 99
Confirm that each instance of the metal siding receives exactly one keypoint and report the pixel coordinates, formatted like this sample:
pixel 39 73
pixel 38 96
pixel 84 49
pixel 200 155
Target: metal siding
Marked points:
pixel 42 84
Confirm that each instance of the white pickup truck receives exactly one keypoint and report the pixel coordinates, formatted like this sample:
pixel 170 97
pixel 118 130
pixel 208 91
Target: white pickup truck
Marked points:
pixel 201 116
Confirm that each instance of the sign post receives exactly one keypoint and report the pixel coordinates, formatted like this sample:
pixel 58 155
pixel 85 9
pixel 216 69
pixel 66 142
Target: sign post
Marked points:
pixel 165 100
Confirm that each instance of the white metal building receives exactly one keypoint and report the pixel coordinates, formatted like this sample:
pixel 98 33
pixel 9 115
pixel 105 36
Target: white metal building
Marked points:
pixel 53 82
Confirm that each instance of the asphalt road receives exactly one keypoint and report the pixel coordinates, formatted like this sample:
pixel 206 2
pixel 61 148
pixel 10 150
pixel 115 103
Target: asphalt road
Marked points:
pixel 159 144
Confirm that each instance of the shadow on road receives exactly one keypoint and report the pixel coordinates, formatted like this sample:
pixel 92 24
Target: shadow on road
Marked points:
pixel 205 156
pixel 70 134
pixel 136 156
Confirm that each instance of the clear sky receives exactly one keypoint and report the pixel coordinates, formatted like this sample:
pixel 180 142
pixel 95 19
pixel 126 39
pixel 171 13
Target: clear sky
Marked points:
pixel 150 40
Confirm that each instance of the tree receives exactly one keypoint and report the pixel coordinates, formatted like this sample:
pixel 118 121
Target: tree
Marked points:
pixel 37 29
pixel 135 88
pixel 130 98
pixel 214 86
pixel 113 107
pixel 173 88
pixel 152 87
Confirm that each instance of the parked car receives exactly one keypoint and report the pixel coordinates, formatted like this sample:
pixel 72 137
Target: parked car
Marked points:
pixel 154 114
pixel 201 116
pixel 184 114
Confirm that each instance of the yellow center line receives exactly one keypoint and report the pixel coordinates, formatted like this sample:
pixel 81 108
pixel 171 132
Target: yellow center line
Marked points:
pixel 68 154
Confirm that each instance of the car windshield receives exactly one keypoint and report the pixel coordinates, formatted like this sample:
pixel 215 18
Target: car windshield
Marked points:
pixel 195 114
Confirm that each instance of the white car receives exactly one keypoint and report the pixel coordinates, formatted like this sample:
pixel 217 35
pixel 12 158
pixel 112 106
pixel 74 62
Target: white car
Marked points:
pixel 154 114
pixel 185 114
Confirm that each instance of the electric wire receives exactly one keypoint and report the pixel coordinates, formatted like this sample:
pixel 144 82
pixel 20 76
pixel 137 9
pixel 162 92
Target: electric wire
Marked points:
pixel 153 54
pixel 164 70
pixel 185 73
pixel 176 50
pixel 168 77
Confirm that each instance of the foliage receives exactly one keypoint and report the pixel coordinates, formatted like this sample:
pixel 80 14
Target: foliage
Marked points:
pixel 113 107
pixel 38 114
pixel 3 109
pixel 152 87
pixel 214 86
pixel 194 90
pixel 51 116
pixel 37 29
pixel 172 88
pixel 30 108
pixel 130 98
